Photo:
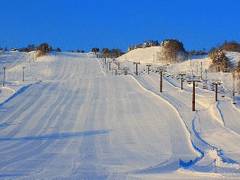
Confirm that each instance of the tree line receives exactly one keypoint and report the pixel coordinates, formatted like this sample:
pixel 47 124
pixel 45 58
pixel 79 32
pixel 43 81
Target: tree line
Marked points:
pixel 220 62
pixel 108 53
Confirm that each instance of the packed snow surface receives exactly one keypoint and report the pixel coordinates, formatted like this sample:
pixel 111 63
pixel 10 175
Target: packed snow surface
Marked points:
pixel 72 118
pixel 144 55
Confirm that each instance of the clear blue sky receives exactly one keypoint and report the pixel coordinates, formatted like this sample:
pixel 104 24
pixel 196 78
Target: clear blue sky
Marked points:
pixel 83 24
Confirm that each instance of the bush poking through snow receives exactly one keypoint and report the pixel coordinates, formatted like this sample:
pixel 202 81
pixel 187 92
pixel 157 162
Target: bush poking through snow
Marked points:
pixel 58 50
pixel 238 68
pixel 43 49
pixel 95 50
pixel 111 53
pixel 173 50
pixel 220 62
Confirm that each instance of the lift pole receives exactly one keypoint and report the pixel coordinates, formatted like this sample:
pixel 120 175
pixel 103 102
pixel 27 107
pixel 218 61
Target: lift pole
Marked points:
pixel 233 88
pixel 182 79
pixel 181 83
pixel 136 64
pixel 4 76
pixel 194 92
pixel 216 92
pixel 23 74
pixel 148 68
pixel 161 70
pixel 161 81
pixel 216 84
pixel 194 96
pixel 109 66
pixel 118 65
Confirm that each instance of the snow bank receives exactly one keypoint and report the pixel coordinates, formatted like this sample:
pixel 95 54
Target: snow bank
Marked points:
pixel 143 55
pixel 193 65
pixel 234 57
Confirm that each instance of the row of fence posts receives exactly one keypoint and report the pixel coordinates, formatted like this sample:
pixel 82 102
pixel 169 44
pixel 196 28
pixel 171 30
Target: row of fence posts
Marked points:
pixel 161 71
pixel 5 76
pixel 108 65
pixel 194 80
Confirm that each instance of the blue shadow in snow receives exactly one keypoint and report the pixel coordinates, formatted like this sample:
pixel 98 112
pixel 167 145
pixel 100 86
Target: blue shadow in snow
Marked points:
pixel 20 91
pixel 4 125
pixel 187 164
pixel 237 100
pixel 56 136
pixel 10 176
pixel 165 167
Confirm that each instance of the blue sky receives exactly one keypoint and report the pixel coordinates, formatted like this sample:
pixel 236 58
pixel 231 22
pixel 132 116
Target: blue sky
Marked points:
pixel 72 24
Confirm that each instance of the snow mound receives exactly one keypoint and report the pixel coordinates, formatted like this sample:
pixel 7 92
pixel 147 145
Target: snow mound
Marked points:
pixel 143 55
pixel 194 65
pixel 234 57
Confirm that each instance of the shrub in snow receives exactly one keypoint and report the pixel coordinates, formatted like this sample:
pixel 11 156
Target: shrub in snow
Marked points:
pixel 197 52
pixel 43 49
pixel 58 50
pixel 238 77
pixel 220 62
pixel 173 50
pixel 238 68
pixel 115 53
pixel 95 50
pixel 111 53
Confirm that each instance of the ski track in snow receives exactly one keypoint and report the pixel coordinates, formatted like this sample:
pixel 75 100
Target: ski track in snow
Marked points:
pixel 75 120
pixel 181 106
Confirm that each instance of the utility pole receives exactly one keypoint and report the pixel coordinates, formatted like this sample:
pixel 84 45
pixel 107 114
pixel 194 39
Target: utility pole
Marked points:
pixel 194 92
pixel 197 69
pixel 115 72
pixel 4 75
pixel 161 81
pixel 194 97
pixel 23 68
pixel 206 74
pixel 216 92
pixel 233 88
pixel 201 70
pixel 148 68
pixel 161 70
pixel 118 65
pixel 216 84
pixel 109 66
pixel 136 63
pixel 182 79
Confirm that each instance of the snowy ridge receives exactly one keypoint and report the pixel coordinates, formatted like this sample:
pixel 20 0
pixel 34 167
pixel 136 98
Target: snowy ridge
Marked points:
pixel 143 55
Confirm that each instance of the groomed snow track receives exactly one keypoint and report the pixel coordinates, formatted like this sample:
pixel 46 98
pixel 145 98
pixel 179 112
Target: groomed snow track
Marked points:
pixel 77 121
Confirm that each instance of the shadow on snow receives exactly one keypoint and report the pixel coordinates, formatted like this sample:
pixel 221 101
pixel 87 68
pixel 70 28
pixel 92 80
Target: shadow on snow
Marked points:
pixel 56 136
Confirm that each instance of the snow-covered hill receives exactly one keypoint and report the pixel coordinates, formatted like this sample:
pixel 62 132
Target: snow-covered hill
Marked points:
pixel 72 118
pixel 13 62
pixel 149 55
pixel 195 65
pixel 143 55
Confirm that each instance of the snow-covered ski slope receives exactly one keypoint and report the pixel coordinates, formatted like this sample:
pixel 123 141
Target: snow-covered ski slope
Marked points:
pixel 74 119
pixel 144 55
